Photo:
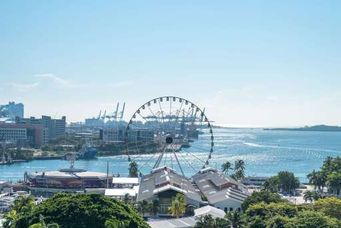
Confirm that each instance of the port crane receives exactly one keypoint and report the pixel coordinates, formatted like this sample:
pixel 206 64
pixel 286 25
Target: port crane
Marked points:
pixel 117 115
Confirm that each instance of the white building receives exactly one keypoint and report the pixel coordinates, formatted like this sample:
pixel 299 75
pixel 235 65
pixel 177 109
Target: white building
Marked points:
pixel 220 191
pixel 122 187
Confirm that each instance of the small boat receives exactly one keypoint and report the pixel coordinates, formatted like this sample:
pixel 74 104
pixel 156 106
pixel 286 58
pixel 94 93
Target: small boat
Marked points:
pixel 87 152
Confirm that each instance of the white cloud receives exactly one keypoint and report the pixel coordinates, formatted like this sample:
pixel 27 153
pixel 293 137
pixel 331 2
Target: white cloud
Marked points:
pixel 59 81
pixel 23 87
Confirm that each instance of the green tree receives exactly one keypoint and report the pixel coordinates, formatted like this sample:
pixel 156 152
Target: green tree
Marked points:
pixel 277 221
pixel 308 196
pixel 10 219
pixel 317 195
pixel 334 182
pixel 328 164
pixel 226 167
pixel 288 182
pixel 270 210
pixel 271 184
pixel 114 223
pixel 178 205
pixel 256 222
pixel 312 219
pixel 262 196
pixel 42 224
pixel 330 206
pixel 239 169
pixel 208 221
pixel 143 207
pixel 236 219
pixel 133 169
pixel 24 204
pixel 318 179
pixel 126 198
pixel 154 207
pixel 80 211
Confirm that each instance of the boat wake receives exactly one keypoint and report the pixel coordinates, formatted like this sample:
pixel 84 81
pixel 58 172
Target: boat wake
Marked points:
pixel 290 148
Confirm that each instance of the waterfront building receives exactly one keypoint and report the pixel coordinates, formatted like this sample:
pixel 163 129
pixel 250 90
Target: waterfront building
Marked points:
pixel 207 187
pixel 12 110
pixel 23 134
pixel 66 180
pixel 220 191
pixel 163 184
pixel 255 181
pixel 122 187
pixel 55 127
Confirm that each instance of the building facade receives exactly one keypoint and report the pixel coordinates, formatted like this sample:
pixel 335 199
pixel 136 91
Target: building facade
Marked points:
pixel 23 134
pixel 54 128
pixel 221 191
pixel 163 184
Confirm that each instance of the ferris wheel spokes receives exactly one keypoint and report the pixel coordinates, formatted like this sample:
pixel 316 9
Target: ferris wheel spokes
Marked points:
pixel 165 129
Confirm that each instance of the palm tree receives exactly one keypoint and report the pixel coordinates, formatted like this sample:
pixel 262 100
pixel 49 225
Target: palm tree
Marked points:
pixel 313 178
pixel 126 198
pixel 239 169
pixel 154 207
pixel 318 179
pixel 143 207
pixel 133 169
pixel 239 165
pixel 225 167
pixel 334 183
pixel 308 196
pixel 316 195
pixel 235 219
pixel 178 205
pixel 271 184
pixel 328 164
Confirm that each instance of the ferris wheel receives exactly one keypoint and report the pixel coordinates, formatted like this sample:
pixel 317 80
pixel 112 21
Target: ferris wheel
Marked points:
pixel 169 131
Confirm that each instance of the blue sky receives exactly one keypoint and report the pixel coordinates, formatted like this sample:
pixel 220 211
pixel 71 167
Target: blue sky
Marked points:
pixel 250 63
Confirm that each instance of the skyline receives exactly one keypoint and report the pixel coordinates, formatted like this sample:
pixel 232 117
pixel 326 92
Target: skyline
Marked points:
pixel 264 64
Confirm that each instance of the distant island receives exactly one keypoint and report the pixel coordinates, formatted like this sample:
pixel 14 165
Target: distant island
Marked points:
pixel 309 128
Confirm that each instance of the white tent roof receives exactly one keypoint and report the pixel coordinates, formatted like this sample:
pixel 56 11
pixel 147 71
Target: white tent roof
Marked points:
pixel 209 210
pixel 119 192
pixel 125 180
pixel 185 222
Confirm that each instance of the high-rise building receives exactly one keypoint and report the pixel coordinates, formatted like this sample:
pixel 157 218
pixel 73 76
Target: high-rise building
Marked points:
pixel 55 128
pixel 12 110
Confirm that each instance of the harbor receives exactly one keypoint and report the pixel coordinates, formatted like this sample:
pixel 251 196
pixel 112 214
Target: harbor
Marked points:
pixel 262 151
